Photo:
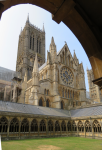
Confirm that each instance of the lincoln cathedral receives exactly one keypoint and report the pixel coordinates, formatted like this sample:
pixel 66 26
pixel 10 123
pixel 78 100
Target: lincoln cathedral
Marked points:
pixel 47 98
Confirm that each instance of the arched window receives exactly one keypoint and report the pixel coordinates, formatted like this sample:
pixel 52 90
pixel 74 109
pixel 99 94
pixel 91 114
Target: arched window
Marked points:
pixel 87 126
pixel 40 102
pixel 57 126
pixel 47 92
pixel 3 124
pixel 34 126
pixel 33 43
pixel 25 125
pixel 37 46
pixel 65 93
pixel 63 126
pixel 42 126
pixel 69 126
pixel 30 42
pixel 74 128
pixel 47 103
pixel 96 126
pixel 62 105
pixel 70 94
pixel 14 125
pixel 50 125
pixel 80 126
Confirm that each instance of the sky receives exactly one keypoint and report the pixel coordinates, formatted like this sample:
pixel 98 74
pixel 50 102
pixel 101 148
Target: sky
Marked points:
pixel 14 19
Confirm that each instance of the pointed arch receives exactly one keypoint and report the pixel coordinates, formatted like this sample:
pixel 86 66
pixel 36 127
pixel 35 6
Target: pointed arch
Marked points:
pixel 80 126
pixel 41 101
pixel 50 125
pixel 69 126
pixel 63 125
pixel 57 126
pixel 14 125
pixel 88 127
pixel 74 127
pixel 62 104
pixel 96 126
pixel 3 124
pixel 25 125
pixel 34 126
pixel 42 126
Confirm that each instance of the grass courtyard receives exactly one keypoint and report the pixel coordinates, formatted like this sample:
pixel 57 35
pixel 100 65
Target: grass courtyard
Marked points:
pixel 62 143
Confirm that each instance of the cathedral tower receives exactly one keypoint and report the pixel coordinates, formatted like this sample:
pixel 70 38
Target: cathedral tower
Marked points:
pixel 31 41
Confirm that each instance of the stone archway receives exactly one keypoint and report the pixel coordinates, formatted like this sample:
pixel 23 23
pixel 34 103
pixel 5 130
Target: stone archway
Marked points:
pixel 84 20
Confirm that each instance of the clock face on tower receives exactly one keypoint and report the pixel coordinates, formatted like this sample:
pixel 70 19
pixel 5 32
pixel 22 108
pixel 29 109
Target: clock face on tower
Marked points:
pixel 66 76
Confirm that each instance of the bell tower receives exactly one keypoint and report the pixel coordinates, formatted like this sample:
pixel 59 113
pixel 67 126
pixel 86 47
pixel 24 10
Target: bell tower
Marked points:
pixel 31 41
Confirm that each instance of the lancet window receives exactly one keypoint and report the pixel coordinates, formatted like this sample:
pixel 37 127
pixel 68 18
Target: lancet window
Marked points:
pixel 14 125
pixel 62 107
pixel 57 126
pixel 63 126
pixel 33 43
pixel 34 126
pixel 3 124
pixel 50 125
pixel 25 125
pixel 42 126
pixel 30 42
pixel 40 102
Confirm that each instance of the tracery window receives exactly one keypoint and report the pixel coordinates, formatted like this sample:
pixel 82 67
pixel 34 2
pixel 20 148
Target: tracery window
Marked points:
pixel 96 126
pixel 63 126
pixel 57 126
pixel 14 125
pixel 88 126
pixel 47 103
pixel 50 125
pixel 3 124
pixel 34 126
pixel 74 127
pixel 40 102
pixel 80 126
pixel 42 126
pixel 39 47
pixel 25 125
pixel 69 126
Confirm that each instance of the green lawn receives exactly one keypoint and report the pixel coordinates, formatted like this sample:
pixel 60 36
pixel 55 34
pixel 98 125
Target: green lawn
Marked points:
pixel 62 143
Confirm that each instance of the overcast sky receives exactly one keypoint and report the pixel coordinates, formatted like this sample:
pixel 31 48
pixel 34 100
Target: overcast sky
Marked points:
pixel 10 26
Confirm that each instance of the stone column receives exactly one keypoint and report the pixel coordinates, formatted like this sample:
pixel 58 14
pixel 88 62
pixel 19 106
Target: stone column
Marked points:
pixel 38 127
pixel 47 127
pixel 19 127
pixel 77 130
pixel 66 128
pixel 91 122
pixel 29 126
pixel 60 127
pixel 8 128
pixel 54 128
pixel 84 130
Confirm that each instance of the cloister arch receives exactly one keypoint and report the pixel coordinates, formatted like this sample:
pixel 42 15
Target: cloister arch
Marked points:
pixel 84 20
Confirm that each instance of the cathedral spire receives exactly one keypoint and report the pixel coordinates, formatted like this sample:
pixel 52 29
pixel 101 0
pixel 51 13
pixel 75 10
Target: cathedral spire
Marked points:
pixel 35 68
pixel 52 45
pixel 27 18
pixel 43 28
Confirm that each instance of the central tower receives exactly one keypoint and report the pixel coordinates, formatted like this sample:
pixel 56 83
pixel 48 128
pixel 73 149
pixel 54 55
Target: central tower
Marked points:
pixel 31 41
